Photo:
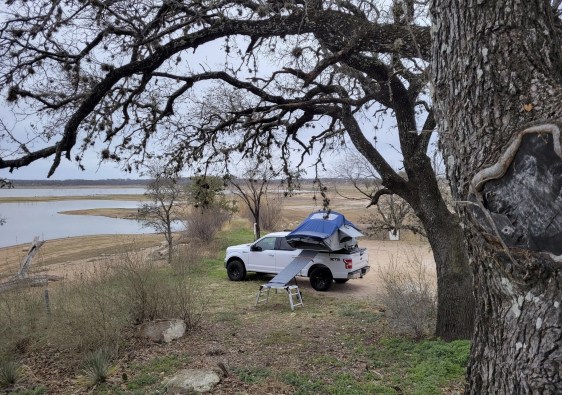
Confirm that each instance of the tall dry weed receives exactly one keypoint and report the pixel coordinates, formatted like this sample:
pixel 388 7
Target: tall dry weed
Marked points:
pixel 152 292
pixel 88 312
pixel 204 224
pixel 93 309
pixel 409 294
pixel 23 317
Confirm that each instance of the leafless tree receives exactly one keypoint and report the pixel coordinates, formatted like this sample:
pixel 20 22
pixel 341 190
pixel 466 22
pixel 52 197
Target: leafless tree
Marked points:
pixel 297 78
pixel 392 212
pixel 164 194
pixel 393 215
pixel 252 188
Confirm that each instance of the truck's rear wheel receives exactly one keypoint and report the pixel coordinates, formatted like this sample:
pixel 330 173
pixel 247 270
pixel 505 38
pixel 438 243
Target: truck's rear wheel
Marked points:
pixel 321 279
pixel 236 270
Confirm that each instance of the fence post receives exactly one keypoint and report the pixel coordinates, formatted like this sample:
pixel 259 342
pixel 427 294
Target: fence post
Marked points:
pixel 47 303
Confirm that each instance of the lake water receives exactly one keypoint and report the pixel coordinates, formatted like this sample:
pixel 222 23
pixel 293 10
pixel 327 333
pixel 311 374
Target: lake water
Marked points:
pixel 26 220
pixel 50 192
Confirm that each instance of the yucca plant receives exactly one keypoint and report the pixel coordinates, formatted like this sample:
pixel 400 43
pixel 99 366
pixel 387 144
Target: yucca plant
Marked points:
pixel 97 367
pixel 9 373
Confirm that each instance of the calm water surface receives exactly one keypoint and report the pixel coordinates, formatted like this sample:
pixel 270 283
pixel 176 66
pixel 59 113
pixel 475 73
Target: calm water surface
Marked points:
pixel 24 221
pixel 49 192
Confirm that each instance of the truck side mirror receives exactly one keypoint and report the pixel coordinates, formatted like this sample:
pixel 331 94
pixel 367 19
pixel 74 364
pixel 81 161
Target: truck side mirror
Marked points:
pixel 255 248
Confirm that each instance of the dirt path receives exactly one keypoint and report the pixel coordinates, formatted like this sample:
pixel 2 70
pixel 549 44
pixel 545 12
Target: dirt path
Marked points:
pixel 382 255
pixel 71 257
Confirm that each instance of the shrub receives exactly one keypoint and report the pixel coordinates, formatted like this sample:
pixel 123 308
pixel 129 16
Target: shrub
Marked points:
pixel 150 292
pixel 93 311
pixel 97 367
pixel 22 317
pixel 140 286
pixel 187 257
pixel 9 372
pixel 88 313
pixel 410 298
pixel 204 224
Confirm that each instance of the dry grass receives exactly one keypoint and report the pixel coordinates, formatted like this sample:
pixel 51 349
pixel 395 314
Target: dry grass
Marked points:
pixel 58 254
pixel 95 309
pixel 125 213
pixel 409 294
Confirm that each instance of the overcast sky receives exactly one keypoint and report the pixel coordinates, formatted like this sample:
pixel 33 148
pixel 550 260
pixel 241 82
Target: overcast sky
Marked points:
pixel 67 170
pixel 386 137
pixel 207 58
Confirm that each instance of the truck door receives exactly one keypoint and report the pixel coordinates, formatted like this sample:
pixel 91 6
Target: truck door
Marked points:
pixel 284 254
pixel 262 256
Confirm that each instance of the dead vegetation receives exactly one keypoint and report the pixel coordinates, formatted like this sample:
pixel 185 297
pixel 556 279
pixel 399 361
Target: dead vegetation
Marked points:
pixel 330 346
pixel 409 294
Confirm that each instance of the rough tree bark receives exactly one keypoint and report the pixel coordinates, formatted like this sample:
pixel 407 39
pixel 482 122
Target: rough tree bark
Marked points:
pixel 497 73
pixel 455 299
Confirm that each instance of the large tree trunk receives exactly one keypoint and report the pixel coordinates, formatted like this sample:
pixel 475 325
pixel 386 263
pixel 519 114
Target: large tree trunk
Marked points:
pixel 455 299
pixel 497 73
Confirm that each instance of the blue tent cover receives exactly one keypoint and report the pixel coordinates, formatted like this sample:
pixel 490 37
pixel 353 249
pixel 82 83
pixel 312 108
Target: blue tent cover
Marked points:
pixel 319 226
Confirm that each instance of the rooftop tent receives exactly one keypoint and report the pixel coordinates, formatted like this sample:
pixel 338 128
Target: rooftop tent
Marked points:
pixel 324 231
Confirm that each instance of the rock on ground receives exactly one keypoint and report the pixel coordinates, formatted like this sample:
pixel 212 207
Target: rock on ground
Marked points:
pixel 188 380
pixel 163 330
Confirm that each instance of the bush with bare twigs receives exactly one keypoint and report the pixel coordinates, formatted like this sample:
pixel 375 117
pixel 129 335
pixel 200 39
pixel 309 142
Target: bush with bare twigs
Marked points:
pixel 151 292
pixel 94 310
pixel 204 224
pixel 87 312
pixel 409 296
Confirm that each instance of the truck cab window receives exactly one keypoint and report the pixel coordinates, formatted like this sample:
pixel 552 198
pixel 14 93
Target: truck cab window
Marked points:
pixel 267 243
pixel 283 245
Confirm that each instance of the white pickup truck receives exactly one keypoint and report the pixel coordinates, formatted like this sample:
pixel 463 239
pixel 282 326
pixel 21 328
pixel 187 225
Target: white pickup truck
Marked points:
pixel 272 253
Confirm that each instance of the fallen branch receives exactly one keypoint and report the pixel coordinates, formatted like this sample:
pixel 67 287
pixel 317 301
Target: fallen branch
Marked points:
pixel 22 279
pixel 30 281
pixel 26 263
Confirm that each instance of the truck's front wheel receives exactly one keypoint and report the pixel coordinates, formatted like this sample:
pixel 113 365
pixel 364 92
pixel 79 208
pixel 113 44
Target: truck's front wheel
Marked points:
pixel 321 279
pixel 236 270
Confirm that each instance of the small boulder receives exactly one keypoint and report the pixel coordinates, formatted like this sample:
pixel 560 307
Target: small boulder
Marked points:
pixel 189 380
pixel 163 330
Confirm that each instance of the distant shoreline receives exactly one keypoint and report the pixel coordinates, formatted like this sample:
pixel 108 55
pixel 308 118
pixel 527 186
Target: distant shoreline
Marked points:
pixel 30 199
pixel 117 183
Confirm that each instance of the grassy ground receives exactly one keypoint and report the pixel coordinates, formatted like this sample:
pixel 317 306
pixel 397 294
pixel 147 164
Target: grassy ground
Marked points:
pixel 334 345
pixel 125 213
pixel 68 251
pixel 331 346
